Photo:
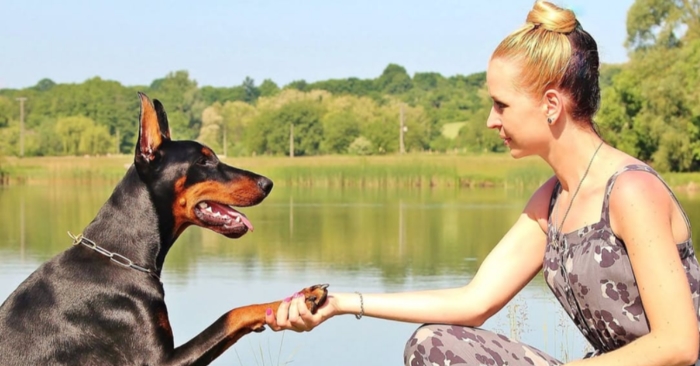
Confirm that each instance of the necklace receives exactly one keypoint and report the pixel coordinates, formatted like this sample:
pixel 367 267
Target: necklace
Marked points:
pixel 571 202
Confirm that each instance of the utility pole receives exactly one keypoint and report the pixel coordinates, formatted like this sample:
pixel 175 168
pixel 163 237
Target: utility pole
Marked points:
pixel 224 139
pixel 21 125
pixel 291 140
pixel 402 129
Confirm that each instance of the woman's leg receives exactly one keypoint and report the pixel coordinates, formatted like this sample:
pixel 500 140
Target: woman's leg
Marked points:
pixel 450 345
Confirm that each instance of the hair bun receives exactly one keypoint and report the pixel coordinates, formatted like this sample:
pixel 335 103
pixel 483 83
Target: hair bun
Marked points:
pixel 552 17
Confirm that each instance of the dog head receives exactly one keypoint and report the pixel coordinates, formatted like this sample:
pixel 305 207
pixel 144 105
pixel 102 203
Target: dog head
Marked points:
pixel 188 180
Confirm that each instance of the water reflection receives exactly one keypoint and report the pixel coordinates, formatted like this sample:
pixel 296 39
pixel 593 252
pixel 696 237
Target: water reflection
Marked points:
pixel 371 240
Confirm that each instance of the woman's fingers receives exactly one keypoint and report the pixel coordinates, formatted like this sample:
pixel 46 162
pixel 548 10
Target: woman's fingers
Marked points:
pixel 292 314
pixel 296 308
pixel 278 321
pixel 271 320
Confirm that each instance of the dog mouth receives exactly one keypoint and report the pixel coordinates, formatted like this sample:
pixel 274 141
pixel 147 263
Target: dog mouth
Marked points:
pixel 223 219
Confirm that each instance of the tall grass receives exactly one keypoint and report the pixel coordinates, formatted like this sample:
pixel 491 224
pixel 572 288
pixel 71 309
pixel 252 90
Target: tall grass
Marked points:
pixel 70 169
pixel 271 359
pixel 410 170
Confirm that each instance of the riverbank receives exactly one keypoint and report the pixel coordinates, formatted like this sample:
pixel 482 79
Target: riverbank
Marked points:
pixel 410 170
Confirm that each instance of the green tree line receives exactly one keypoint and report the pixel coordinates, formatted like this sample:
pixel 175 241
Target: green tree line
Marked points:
pixel 650 107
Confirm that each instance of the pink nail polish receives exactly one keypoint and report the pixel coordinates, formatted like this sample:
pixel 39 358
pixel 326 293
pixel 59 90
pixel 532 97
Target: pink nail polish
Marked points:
pixel 288 299
pixel 268 311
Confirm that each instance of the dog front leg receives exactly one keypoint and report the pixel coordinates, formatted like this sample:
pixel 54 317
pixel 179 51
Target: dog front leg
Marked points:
pixel 229 328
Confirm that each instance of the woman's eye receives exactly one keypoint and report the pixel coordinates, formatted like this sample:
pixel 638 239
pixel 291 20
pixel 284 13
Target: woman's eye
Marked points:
pixel 499 105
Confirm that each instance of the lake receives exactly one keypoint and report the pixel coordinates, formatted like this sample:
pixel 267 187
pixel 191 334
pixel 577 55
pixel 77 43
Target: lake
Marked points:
pixel 368 240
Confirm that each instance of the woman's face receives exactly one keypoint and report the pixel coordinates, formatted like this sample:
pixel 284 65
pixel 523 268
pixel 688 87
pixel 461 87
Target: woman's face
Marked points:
pixel 520 119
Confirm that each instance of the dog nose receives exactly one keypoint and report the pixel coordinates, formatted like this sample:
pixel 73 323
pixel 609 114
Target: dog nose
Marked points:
pixel 265 184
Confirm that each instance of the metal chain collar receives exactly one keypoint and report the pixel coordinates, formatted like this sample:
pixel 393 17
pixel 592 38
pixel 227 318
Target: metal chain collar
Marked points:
pixel 114 257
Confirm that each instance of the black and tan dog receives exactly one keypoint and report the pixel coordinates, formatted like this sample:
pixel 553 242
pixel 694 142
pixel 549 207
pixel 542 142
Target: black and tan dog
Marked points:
pixel 101 301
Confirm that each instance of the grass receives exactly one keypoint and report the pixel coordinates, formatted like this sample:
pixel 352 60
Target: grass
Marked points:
pixel 416 170
pixel 451 130
pixel 270 358
pixel 410 170
pixel 70 168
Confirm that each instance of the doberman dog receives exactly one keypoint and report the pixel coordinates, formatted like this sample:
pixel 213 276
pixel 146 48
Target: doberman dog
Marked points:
pixel 101 302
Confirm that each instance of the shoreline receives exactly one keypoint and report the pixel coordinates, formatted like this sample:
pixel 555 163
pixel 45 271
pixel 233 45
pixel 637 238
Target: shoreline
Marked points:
pixel 414 170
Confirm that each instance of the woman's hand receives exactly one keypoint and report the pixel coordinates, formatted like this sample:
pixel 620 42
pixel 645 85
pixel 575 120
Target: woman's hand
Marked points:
pixel 293 314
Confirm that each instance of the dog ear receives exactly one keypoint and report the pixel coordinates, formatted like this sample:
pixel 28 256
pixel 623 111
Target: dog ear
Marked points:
pixel 162 119
pixel 150 135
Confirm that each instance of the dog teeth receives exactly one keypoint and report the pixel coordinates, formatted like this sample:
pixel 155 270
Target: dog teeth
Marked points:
pixel 238 219
pixel 203 205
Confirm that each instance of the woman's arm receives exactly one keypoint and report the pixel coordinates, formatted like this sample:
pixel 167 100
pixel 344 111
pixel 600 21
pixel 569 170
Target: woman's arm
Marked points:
pixel 506 270
pixel 641 212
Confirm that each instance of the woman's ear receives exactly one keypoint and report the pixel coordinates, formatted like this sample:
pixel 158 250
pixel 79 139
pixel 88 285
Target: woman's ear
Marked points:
pixel 552 105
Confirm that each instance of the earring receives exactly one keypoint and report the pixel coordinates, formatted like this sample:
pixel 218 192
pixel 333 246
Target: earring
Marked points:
pixel 549 120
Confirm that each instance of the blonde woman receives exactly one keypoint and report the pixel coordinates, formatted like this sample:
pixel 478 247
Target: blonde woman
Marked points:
pixel 611 239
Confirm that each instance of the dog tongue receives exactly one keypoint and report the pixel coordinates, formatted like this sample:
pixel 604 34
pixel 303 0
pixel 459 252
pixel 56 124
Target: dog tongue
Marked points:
pixel 228 211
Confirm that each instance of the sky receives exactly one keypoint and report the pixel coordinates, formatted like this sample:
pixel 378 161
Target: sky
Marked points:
pixel 220 42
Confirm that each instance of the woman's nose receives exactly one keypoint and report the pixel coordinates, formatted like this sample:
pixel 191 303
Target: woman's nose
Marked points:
pixel 493 121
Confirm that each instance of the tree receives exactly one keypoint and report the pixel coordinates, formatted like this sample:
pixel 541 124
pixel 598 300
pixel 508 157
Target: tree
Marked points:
pixel 269 132
pixel 300 85
pixel 44 84
pixel 8 140
pixel 211 95
pixel 662 22
pixel 651 109
pixel 394 80
pixel 308 130
pixel 237 116
pixel 650 105
pixel 474 136
pixel 264 136
pixel 251 91
pixel 211 133
pixel 106 102
pixel 268 88
pixel 180 96
pixel 48 143
pixel 427 80
pixel 79 135
pixel 8 110
pixel 95 141
pixel 361 146
pixel 352 86
pixel 340 128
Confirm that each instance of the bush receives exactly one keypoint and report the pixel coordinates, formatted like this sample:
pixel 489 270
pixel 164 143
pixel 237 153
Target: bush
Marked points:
pixel 361 146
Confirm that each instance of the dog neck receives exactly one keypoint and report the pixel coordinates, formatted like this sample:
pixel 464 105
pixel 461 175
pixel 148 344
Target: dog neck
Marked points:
pixel 129 224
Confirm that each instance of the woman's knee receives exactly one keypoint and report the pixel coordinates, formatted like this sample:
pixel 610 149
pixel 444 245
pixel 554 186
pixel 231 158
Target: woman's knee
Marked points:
pixel 430 345
pixel 439 344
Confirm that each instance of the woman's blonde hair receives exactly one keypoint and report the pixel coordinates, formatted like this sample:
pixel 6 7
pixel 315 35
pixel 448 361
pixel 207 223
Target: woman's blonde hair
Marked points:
pixel 555 52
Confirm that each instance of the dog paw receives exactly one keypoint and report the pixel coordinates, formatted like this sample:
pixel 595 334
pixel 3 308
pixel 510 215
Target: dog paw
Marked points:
pixel 315 296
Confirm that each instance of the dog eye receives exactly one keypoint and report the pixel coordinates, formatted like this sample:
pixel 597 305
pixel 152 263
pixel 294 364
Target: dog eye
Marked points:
pixel 205 161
